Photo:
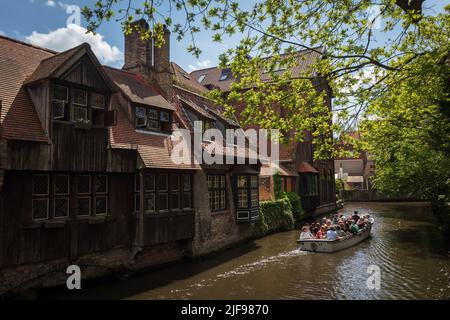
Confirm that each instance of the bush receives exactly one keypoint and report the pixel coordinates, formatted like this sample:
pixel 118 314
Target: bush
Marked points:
pixel 442 209
pixel 275 216
pixel 296 205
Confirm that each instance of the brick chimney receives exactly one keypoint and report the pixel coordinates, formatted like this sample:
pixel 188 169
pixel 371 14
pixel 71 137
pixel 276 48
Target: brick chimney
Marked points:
pixel 152 63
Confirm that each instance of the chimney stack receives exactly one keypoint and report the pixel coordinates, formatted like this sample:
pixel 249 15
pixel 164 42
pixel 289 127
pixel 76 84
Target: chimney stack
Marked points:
pixel 145 59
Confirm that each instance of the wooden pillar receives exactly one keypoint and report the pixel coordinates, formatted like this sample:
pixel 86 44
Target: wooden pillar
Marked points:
pixel 141 212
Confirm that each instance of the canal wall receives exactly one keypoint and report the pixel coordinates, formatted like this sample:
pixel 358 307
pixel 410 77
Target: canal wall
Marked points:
pixel 373 195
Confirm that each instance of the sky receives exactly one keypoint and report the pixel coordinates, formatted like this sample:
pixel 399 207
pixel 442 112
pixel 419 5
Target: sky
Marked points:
pixel 45 23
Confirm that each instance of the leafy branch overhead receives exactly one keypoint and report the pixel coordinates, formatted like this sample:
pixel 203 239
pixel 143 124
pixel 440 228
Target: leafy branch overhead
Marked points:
pixel 362 49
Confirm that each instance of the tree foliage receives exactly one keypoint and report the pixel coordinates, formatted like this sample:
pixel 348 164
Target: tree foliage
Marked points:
pixel 361 59
pixel 407 130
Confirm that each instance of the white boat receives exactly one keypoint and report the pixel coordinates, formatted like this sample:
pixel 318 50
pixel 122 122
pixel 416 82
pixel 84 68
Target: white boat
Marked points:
pixel 330 246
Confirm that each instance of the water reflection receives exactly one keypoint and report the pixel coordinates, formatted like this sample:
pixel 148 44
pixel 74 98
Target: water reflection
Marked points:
pixel 412 256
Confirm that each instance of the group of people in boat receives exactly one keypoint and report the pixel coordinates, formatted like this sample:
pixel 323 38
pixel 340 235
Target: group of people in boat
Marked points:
pixel 335 227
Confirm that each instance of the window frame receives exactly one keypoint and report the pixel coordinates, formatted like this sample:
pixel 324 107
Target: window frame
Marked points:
pixel 248 188
pixel 180 192
pixel 88 107
pixel 212 190
pixel 153 116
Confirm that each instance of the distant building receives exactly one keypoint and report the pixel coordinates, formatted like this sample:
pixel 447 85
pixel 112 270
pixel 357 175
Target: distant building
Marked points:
pixel 355 171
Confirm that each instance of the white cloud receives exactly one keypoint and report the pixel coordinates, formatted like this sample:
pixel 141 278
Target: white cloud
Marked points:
pixel 50 3
pixel 2 33
pixel 200 65
pixel 66 38
pixel 63 5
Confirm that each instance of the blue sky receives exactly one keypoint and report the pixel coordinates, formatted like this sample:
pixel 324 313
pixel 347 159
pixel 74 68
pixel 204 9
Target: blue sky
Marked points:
pixel 44 22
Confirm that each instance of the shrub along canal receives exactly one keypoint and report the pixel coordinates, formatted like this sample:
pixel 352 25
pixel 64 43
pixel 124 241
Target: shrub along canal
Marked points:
pixel 412 256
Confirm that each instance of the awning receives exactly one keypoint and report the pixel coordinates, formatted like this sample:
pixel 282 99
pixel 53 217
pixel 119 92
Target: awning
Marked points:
pixel 305 167
pixel 282 169
pixel 355 179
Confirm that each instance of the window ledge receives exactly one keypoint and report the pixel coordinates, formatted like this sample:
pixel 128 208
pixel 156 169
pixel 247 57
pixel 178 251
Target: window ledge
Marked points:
pixel 164 214
pixel 153 133
pixel 47 224
pixel 220 212
pixel 97 220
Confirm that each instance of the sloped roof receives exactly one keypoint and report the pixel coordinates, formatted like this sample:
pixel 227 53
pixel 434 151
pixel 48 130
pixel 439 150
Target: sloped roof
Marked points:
pixel 50 65
pixel 282 168
pixel 18 61
pixel 305 59
pixel 196 108
pixel 183 79
pixel 137 89
pixel 305 167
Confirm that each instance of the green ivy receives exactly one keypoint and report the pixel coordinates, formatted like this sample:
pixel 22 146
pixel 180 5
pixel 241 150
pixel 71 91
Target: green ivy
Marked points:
pixel 275 216
pixel 296 205
pixel 277 188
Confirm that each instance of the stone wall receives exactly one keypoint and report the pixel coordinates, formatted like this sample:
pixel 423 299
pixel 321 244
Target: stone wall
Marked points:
pixel 215 230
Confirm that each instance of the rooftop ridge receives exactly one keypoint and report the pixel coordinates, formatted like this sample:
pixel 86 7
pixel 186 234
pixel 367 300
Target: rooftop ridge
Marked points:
pixel 28 44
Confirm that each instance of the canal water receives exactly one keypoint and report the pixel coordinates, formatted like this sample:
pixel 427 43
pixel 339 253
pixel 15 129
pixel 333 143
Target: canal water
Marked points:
pixel 412 256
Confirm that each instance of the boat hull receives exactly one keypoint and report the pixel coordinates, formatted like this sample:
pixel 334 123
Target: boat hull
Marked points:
pixel 323 245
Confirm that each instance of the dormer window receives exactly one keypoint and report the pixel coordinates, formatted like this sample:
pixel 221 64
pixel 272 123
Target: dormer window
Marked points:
pixel 78 105
pixel 201 78
pixel 225 75
pixel 152 119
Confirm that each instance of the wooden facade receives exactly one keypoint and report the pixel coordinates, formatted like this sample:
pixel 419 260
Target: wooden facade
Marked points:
pixel 92 176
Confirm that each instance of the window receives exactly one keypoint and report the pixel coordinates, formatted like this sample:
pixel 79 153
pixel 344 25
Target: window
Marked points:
pixel 40 193
pixel 187 189
pixel 225 75
pixel 61 191
pixel 92 195
pixel 59 102
pixel 85 106
pixel 97 101
pixel 101 194
pixel 152 120
pixel 164 192
pixel 163 195
pixel 217 192
pixel 201 78
pixel 247 191
pixel 141 119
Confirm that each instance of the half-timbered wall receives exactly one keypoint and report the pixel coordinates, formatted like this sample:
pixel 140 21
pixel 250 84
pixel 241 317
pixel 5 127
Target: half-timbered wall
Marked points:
pixel 25 241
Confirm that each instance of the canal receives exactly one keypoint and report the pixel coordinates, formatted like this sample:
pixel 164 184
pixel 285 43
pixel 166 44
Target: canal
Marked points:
pixel 412 256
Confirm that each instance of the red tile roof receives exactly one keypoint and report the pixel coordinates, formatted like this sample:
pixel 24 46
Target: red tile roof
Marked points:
pixel 137 89
pixel 18 117
pixel 305 59
pixel 154 149
pixel 305 167
pixel 183 79
pixel 50 65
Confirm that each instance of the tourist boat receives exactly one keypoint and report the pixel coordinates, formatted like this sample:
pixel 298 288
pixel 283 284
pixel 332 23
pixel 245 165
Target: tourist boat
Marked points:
pixel 324 245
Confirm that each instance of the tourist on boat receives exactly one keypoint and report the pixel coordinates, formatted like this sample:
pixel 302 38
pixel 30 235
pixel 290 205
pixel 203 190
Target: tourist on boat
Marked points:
pixel 355 216
pixel 315 227
pixel 335 218
pixel 329 223
pixel 306 234
pixel 354 227
pixel 321 234
pixel 332 234
pixel 361 223
pixel 341 233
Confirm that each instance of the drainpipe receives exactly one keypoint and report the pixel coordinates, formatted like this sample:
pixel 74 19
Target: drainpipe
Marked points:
pixel 141 213
pixel 139 240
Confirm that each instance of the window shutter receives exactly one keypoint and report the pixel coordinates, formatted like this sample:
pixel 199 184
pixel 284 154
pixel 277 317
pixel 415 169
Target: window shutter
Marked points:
pixel 111 118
